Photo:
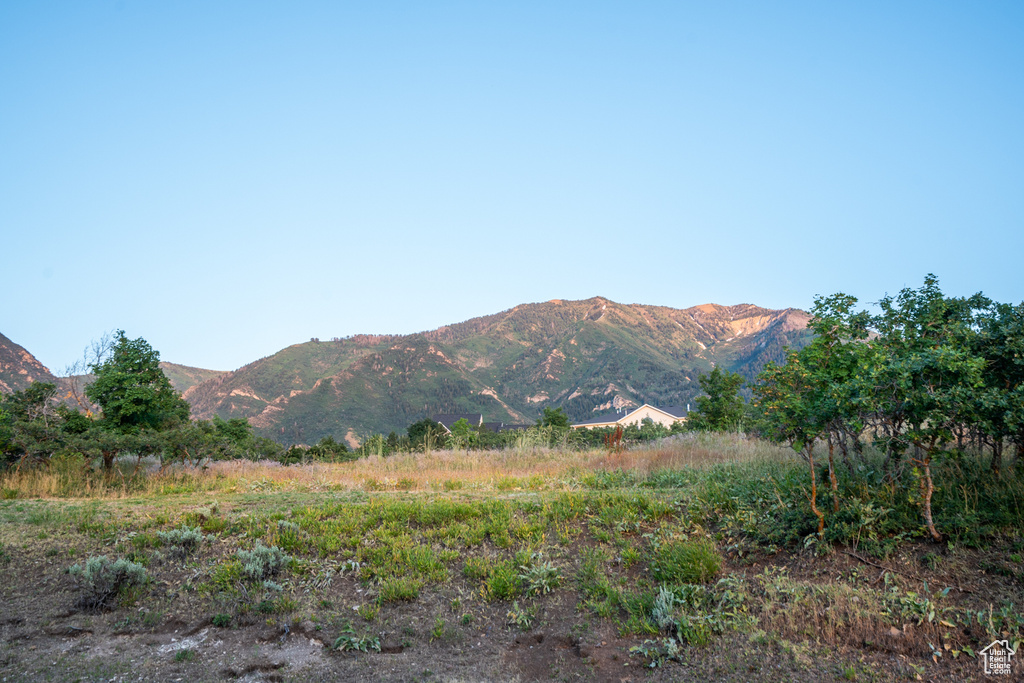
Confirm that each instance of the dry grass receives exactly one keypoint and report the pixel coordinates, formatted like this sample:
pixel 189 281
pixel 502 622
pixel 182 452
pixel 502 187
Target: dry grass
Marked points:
pixel 691 451
pixel 512 469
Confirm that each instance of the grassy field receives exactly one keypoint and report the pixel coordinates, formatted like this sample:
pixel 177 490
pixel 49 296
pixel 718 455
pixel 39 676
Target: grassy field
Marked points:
pixel 693 560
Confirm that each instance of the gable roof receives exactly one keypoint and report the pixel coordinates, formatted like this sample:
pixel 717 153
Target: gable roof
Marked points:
pixel 677 412
pixel 674 411
pixel 604 418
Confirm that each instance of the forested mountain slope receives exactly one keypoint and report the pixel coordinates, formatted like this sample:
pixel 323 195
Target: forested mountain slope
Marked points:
pixel 585 356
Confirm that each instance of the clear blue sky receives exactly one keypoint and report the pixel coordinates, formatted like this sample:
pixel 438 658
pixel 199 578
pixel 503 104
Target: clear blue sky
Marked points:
pixel 226 179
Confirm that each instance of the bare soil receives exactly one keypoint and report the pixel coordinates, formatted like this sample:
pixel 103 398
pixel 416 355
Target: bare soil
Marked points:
pixel 449 633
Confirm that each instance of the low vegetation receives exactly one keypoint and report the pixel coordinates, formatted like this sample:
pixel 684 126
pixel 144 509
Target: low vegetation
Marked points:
pixel 674 545
pixel 665 552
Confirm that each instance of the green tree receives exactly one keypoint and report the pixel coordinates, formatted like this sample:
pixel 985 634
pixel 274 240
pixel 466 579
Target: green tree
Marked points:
pixel 721 407
pixel 787 397
pixel 925 375
pixel 426 435
pixel 554 417
pixel 133 391
pixel 463 435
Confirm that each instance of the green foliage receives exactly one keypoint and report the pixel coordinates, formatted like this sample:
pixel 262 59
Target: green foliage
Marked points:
pixel 133 391
pixel 102 578
pixel 554 417
pixel 917 380
pixel 518 617
pixel 686 562
pixel 350 641
pixel 503 581
pixel 539 576
pixel 183 540
pixel 261 562
pixel 221 620
pixel 400 589
pixel 426 435
pixel 720 408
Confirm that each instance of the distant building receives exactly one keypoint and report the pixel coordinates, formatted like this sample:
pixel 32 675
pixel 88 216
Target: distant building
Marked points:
pixel 446 420
pixel 476 420
pixel 506 427
pixel 667 416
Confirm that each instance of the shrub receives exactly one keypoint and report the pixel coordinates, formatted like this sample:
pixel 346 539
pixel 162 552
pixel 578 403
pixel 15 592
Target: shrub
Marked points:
pixel 686 562
pixel 183 540
pixel 222 620
pixel 103 578
pixel 261 562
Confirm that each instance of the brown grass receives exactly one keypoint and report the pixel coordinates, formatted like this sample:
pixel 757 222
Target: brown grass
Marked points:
pixel 512 469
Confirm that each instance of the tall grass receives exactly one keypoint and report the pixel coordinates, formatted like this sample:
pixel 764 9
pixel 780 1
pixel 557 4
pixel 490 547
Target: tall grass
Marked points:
pixel 530 466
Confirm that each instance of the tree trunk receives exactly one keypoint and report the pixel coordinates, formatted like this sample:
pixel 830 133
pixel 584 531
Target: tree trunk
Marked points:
pixel 929 488
pixel 814 490
pixel 832 477
pixel 997 454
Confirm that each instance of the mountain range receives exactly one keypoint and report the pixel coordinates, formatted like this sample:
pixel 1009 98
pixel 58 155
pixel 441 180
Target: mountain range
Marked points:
pixel 586 357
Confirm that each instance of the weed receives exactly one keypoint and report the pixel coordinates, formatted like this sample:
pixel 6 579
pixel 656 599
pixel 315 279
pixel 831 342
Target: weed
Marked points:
pixel 686 562
pixel 399 589
pixel 221 620
pixel 520 618
pixel 349 641
pixel 477 568
pixel 504 582
pixel 657 652
pixel 185 655
pixel 437 633
pixel 539 577
pixel 368 611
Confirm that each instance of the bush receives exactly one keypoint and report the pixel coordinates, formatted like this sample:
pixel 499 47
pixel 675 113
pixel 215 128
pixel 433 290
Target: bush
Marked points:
pixel 183 540
pixel 261 562
pixel 686 562
pixel 102 578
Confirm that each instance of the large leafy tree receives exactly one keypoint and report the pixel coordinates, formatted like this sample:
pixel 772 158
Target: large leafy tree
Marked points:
pixel 926 375
pixel 132 390
pixel 720 408
pixel 554 417
pixel 1000 405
